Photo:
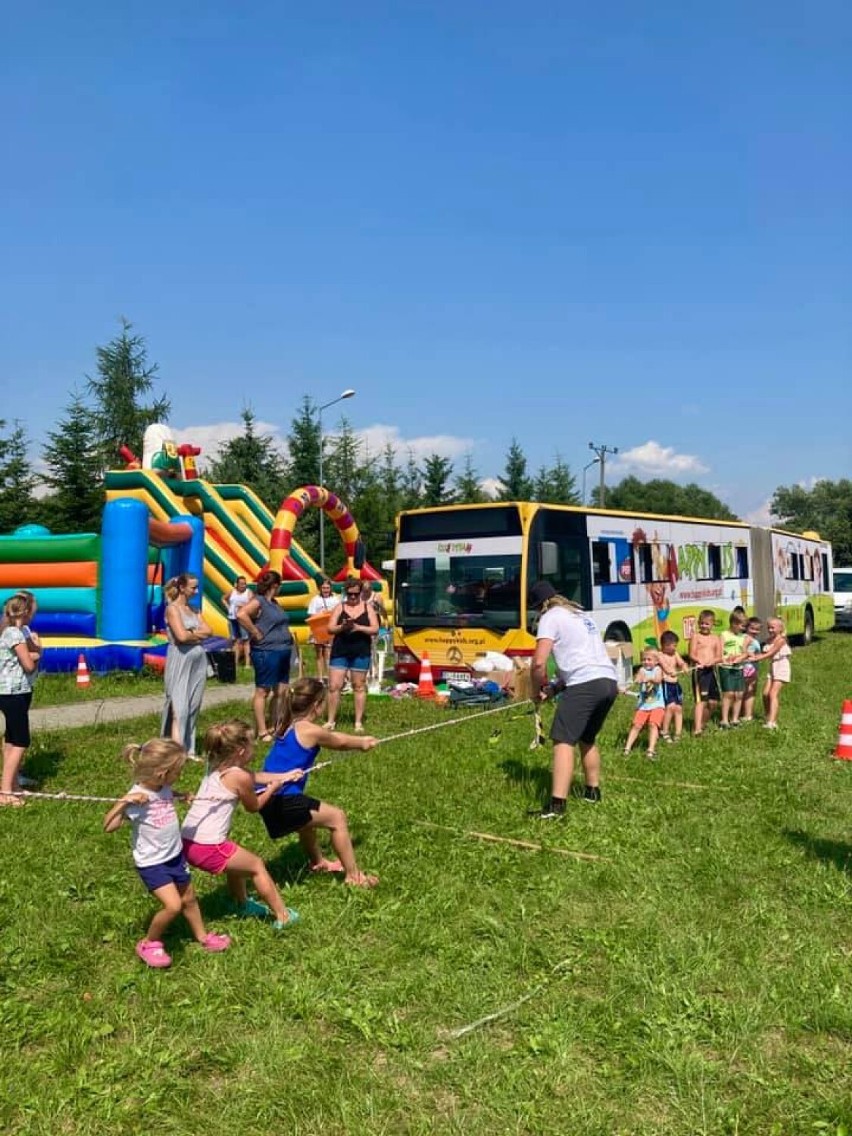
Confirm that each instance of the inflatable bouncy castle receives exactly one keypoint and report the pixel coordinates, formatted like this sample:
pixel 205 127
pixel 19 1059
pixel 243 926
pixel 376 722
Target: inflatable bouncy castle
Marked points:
pixel 101 593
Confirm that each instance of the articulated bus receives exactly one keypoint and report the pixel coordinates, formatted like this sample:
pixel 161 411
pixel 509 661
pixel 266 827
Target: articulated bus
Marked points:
pixel 462 574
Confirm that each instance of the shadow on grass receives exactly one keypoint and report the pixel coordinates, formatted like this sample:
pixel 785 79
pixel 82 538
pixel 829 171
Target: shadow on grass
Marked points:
pixel 536 778
pixel 42 762
pixel 834 852
pixel 533 776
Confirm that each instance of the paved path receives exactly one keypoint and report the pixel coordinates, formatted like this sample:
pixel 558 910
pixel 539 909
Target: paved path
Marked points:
pixel 96 710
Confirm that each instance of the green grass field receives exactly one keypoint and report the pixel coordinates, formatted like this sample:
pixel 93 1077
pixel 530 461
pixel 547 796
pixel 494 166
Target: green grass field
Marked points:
pixel 690 975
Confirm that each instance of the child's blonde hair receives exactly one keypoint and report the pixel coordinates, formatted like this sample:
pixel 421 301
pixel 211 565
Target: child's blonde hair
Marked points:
pixel 154 758
pixel 302 695
pixel 224 741
pixel 15 608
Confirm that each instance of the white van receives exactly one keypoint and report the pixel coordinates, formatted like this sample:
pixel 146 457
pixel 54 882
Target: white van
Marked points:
pixel 843 597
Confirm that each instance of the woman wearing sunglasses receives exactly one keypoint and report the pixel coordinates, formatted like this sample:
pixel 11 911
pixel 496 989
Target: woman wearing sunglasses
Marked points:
pixel 352 627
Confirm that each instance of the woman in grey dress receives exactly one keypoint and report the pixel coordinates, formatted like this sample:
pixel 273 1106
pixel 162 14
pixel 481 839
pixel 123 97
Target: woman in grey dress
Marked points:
pixel 186 662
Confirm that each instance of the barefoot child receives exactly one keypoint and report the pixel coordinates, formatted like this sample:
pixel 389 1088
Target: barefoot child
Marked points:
pixel 297 743
pixel 705 653
pixel 751 645
pixel 778 651
pixel 731 678
pixel 651 709
pixel 229 748
pixel 672 665
pixel 157 851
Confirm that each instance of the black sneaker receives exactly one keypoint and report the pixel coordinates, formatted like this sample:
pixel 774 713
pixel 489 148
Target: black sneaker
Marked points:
pixel 549 814
pixel 592 794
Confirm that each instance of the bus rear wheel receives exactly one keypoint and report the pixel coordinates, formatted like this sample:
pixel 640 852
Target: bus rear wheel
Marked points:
pixel 808 630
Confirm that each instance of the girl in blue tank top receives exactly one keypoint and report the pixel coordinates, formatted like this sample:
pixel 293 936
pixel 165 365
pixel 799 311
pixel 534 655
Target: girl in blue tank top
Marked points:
pixel 298 740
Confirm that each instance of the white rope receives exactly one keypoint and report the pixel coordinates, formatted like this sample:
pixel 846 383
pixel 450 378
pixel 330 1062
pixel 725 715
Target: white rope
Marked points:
pixel 26 793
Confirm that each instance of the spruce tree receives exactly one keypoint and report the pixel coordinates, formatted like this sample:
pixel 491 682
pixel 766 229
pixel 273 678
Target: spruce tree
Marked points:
pixel 515 482
pixel 124 377
pixel 468 490
pixel 71 458
pixel 251 459
pixel 437 472
pixel 556 485
pixel 303 447
pixel 18 506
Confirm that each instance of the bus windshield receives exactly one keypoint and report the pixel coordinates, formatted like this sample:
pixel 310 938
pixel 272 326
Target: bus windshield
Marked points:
pixel 459 591
pixel 444 581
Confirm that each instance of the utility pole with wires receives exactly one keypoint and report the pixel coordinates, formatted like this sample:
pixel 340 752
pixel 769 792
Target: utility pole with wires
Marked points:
pixel 601 452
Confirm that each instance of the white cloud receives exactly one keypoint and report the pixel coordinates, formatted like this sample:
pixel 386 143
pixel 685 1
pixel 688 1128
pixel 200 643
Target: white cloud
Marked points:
pixel 216 434
pixel 652 459
pixel 375 439
pixel 491 486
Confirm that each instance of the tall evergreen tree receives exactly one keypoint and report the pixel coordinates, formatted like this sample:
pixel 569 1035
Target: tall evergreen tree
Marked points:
pixel 468 490
pixel 556 485
pixel 437 472
pixel 124 377
pixel 18 506
pixel 303 445
pixel 353 474
pixel 515 482
pixel 252 459
pixel 71 458
pixel 411 484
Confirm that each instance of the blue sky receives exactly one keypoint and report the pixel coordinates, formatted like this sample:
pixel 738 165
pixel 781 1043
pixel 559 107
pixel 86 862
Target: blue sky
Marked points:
pixel 627 224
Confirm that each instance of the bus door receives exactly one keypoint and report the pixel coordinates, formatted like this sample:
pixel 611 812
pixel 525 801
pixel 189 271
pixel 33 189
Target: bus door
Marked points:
pixel 559 553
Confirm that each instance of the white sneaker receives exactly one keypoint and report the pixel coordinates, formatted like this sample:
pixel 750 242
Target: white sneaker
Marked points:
pixel 770 725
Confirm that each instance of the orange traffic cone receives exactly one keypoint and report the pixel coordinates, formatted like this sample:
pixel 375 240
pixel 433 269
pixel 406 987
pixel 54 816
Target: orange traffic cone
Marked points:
pixel 425 685
pixel 83 676
pixel 843 752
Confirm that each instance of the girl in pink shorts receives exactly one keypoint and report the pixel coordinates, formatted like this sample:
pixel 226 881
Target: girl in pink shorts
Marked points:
pixel 229 748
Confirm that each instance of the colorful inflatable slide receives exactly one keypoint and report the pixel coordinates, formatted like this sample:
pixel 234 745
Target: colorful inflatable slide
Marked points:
pixel 101 594
pixel 241 537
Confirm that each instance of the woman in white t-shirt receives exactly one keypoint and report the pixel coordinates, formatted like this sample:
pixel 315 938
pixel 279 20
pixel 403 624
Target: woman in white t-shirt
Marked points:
pixel 325 601
pixel 587 676
pixel 236 601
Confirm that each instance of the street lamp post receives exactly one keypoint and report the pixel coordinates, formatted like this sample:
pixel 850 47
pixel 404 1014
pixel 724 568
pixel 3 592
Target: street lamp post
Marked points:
pixel 587 467
pixel 349 393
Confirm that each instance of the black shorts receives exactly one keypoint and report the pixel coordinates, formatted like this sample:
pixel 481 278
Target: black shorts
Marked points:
pixel 672 694
pixel 16 711
pixel 286 813
pixel 705 686
pixel 582 710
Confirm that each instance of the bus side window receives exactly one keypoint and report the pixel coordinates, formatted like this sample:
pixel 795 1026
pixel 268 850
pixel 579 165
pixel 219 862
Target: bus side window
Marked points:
pixel 645 563
pixel 742 562
pixel 602 567
pixel 714 562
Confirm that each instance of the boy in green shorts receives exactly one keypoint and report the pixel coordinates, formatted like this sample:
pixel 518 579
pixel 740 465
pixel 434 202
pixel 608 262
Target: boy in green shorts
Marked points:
pixel 731 679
